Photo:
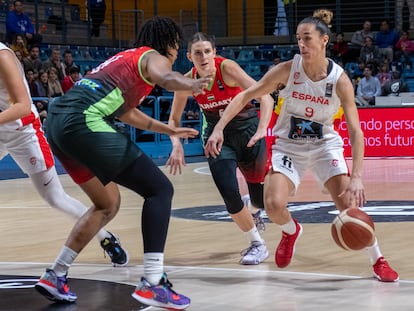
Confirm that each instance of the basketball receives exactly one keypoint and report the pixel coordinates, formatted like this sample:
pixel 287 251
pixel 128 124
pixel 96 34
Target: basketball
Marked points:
pixel 353 229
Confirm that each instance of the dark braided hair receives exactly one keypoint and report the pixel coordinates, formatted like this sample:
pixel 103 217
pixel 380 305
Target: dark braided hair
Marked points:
pixel 159 33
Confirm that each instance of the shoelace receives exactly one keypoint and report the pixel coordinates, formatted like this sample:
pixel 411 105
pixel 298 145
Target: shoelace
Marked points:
pixel 253 249
pixel 166 283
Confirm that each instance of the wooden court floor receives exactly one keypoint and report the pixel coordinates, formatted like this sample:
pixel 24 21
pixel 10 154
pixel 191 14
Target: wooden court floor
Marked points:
pixel 202 253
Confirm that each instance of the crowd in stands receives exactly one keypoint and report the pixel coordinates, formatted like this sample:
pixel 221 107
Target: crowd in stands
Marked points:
pixel 49 78
pixel 376 61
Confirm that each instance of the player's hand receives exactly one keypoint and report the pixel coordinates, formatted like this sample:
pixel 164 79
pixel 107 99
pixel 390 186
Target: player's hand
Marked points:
pixel 200 84
pixel 356 193
pixel 176 160
pixel 214 144
pixel 256 137
pixel 184 132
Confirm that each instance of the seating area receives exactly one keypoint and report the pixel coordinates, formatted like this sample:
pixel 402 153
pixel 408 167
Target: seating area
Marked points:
pixel 255 60
pixel 87 57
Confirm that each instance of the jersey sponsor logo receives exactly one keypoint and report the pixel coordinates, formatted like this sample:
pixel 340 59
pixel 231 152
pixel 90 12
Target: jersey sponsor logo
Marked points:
pixel 296 82
pixel 310 98
pixel 310 212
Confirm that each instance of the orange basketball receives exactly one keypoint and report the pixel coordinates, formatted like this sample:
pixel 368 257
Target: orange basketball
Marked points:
pixel 353 229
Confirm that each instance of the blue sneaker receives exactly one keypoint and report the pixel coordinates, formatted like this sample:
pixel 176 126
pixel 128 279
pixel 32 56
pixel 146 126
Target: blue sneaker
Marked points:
pixel 112 246
pixel 160 295
pixel 55 287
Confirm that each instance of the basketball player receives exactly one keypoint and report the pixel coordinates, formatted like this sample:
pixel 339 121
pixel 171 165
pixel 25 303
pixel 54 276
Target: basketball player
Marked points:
pixel 99 157
pixel 22 137
pixel 315 90
pixel 229 80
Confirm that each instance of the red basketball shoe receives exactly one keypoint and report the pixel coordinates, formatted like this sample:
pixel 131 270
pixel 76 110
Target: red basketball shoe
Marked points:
pixel 286 247
pixel 383 272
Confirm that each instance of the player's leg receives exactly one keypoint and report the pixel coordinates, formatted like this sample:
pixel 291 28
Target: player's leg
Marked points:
pixel 224 176
pixel 245 196
pixel 48 185
pixel 146 179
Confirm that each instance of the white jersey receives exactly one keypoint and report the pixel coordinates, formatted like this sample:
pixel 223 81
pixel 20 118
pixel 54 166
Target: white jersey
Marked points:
pixel 309 107
pixel 5 96
pixel 24 139
pixel 305 133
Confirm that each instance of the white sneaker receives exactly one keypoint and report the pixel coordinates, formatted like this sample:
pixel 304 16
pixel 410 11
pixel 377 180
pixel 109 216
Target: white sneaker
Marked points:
pixel 254 254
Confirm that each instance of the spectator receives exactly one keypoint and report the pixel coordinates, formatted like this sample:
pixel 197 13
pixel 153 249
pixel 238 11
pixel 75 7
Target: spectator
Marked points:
pixel 359 70
pixel 67 62
pixel 97 10
pixel 404 49
pixel 42 88
pixel 31 81
pixel 19 44
pixel 369 53
pixel 55 88
pixel 55 62
pixel 339 50
pixel 69 81
pixel 33 60
pixel 368 87
pixel 17 22
pixel 384 73
pixel 19 57
pixel 358 37
pixel 386 39
pixel 395 86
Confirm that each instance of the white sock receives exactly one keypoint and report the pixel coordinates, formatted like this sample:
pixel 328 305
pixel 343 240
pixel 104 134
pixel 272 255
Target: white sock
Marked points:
pixel 153 267
pixel 290 227
pixel 374 252
pixel 253 235
pixel 64 260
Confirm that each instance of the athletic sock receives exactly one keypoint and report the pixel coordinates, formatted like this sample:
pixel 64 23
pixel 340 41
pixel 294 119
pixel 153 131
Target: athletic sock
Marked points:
pixel 64 260
pixel 290 227
pixel 153 267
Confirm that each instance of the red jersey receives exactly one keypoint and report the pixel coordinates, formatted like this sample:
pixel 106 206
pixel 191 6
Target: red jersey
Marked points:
pixel 122 72
pixel 218 95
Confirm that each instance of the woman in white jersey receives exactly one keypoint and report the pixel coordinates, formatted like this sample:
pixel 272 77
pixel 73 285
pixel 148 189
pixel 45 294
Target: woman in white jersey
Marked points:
pixel 316 90
pixel 22 137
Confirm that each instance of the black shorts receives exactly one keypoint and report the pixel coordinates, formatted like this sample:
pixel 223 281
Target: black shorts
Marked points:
pixel 251 161
pixel 90 149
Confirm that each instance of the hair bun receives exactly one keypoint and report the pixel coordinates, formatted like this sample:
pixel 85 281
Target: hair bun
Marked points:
pixel 325 15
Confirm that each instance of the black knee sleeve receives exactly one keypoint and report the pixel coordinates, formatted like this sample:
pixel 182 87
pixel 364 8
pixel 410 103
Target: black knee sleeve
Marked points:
pixel 224 176
pixel 256 195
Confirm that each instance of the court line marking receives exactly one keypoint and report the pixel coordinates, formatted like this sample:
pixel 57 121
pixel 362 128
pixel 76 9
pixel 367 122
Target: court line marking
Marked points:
pixel 186 268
